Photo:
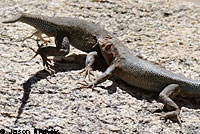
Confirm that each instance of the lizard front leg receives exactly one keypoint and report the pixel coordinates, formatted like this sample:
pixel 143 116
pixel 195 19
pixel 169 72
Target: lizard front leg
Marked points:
pixel 103 77
pixel 166 96
pixel 90 59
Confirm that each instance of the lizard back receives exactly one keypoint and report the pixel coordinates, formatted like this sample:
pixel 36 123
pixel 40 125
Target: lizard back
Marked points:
pixel 82 35
pixel 143 74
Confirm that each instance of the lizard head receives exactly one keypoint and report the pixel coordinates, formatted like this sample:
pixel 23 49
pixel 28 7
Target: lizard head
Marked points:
pixel 108 52
pixel 108 48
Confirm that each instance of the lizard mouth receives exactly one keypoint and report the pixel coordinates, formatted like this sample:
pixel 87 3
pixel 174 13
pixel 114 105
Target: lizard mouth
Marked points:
pixel 107 48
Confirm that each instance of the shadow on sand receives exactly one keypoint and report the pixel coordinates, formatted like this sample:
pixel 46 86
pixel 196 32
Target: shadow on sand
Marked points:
pixel 43 74
pixel 77 64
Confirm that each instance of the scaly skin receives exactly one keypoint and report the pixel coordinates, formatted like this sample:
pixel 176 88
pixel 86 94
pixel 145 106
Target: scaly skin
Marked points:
pixel 140 73
pixel 134 71
pixel 81 34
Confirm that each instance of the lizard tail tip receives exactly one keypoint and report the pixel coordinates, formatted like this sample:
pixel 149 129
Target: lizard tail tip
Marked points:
pixel 15 19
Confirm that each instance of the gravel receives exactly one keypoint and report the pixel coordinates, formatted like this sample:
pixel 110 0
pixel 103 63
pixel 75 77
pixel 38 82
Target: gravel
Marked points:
pixel 165 32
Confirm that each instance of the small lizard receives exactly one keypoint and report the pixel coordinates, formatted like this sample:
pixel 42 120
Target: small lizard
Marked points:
pixel 67 31
pixel 143 74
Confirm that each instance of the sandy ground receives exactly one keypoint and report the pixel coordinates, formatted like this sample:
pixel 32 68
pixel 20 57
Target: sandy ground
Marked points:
pixel 164 32
pixel 194 1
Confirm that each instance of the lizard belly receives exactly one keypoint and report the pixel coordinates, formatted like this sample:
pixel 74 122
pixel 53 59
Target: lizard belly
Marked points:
pixel 137 79
pixel 82 41
pixel 142 74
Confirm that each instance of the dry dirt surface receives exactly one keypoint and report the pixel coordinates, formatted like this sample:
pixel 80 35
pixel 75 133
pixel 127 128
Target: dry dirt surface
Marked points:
pixel 164 32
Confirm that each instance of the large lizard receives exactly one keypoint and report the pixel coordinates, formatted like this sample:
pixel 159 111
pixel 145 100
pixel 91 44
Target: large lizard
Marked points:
pixel 136 72
pixel 143 74
pixel 67 31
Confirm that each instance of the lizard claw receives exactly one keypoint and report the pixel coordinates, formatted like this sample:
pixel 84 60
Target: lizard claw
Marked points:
pixel 38 35
pixel 48 63
pixel 88 72
pixel 172 115
pixel 49 70
pixel 47 66
pixel 87 85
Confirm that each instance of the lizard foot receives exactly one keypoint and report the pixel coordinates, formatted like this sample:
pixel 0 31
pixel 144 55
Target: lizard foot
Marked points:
pixel 85 84
pixel 45 41
pixel 88 72
pixel 38 34
pixel 49 70
pixel 47 66
pixel 174 115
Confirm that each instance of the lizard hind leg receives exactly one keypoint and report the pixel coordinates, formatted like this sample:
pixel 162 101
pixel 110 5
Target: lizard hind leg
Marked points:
pixel 38 34
pixel 166 96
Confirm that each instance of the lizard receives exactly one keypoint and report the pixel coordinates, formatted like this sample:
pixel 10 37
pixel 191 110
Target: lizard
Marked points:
pixel 87 37
pixel 145 75
pixel 67 31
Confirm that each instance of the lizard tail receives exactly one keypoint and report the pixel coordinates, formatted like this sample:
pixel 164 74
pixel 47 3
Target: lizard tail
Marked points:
pixel 15 19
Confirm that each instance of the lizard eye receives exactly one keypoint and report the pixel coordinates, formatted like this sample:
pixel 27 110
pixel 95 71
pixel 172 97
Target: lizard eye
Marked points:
pixel 108 47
